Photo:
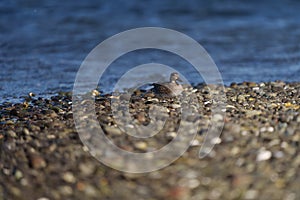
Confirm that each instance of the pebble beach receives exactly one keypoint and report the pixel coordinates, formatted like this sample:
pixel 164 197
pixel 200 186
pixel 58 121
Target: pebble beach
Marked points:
pixel 256 157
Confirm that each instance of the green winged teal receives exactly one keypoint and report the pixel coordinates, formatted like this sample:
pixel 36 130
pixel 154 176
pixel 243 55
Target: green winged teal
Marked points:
pixel 172 88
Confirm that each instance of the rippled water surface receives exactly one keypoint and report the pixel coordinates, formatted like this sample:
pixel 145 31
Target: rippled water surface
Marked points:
pixel 42 43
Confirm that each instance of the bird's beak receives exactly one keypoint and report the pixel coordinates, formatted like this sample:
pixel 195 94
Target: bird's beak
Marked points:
pixel 178 79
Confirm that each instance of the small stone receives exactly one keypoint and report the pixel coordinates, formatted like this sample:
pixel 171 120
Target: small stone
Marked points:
pixel 194 143
pixel 141 145
pixel 217 117
pixel 69 177
pixel 24 182
pixel 66 190
pixel 87 168
pixel 207 102
pixel 113 130
pixel 43 198
pixel 262 85
pixel 154 100
pixel 241 98
pixel 35 128
pixel 278 154
pixel 129 126
pixel 263 129
pixel 255 89
pixel 85 149
pixel 263 155
pixel 26 131
pixel 251 194
pixel 125 97
pixel 216 140
pixel 235 150
pixel 176 106
pixel 296 138
pixel 274 142
pixel 192 118
pixel 244 133
pixel 141 117
pixel 251 113
pixel 284 145
pixel 270 129
pixel 280 183
pixel 215 194
pixel 53 114
pixel 193 183
pixel 230 107
pixel 51 136
pixel 11 133
pixel 90 191
pixel 15 191
pixel 18 174
pixel 37 162
pixel 179 193
pixel 290 196
pixel 206 181
pixel 52 147
pixel 80 186
pixel 6 172
pixel 10 122
pixel 171 135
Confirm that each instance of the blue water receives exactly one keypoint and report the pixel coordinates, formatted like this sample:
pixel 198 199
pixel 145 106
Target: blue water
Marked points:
pixel 42 43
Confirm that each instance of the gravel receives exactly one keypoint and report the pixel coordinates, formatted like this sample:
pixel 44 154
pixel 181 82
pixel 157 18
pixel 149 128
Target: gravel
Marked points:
pixel 256 157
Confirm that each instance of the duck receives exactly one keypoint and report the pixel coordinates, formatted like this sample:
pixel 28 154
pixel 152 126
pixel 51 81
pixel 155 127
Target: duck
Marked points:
pixel 171 88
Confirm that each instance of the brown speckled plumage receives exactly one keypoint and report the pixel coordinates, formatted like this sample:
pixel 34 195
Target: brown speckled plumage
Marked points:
pixel 171 88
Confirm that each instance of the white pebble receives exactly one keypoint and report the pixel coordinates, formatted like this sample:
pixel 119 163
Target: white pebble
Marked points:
pixel 217 117
pixel 69 177
pixel 141 145
pixel 193 183
pixel 264 155
pixel 43 198
pixel 194 143
pixel 255 89
pixel 171 134
pixel 279 154
pixel 176 106
pixel 216 140
pixel 251 194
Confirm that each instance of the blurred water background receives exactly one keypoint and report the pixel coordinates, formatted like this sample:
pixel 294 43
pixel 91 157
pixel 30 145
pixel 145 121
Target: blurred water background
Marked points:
pixel 42 43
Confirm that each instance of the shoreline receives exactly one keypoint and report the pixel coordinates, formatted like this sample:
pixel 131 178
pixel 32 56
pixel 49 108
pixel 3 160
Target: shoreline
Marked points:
pixel 257 156
pixel 20 99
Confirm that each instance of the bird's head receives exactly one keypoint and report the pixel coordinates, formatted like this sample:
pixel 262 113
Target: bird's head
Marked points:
pixel 175 77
